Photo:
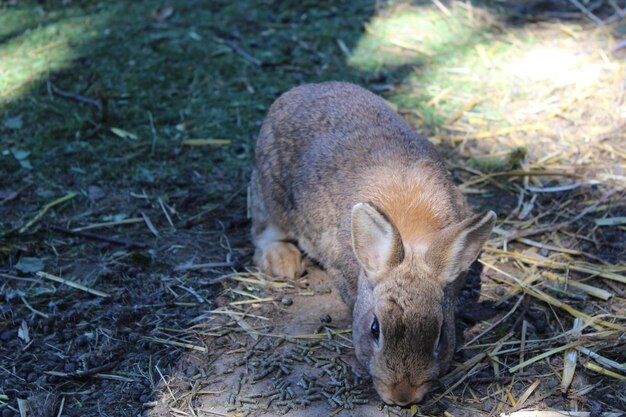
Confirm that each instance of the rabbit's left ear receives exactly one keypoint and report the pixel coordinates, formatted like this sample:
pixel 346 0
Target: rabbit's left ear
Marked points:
pixel 375 240
pixel 457 246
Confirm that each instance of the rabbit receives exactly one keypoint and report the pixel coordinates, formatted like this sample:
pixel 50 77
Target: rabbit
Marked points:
pixel 342 178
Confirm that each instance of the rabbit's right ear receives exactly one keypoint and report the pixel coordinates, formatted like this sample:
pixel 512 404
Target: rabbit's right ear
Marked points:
pixel 376 241
pixel 457 246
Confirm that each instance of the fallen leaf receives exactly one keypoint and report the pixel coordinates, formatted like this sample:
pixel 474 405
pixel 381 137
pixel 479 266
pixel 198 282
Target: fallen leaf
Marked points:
pixel 23 332
pixel 611 221
pixel 115 217
pixel 25 163
pixel 13 295
pixel 162 14
pixel 123 134
pixel 94 192
pixel 20 154
pixel 14 122
pixel 28 264
pixel 8 195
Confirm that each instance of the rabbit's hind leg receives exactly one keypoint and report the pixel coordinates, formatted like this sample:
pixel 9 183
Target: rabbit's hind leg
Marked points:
pixel 275 255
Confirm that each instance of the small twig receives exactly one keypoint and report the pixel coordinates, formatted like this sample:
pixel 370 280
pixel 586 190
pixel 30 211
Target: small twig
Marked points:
pixel 586 12
pixel 512 235
pixel 95 236
pixel 149 224
pixel 165 382
pixel 442 7
pixel 491 379
pixel 175 343
pixel 618 10
pixel 202 266
pixel 45 209
pixel 521 400
pixel 71 284
pixel 33 309
pixel 235 47
pixel 193 292
pixel 619 45
pixel 7 276
pixel 496 324
pixel 85 373
pixel 60 413
pixel 167 216
pixel 92 226
pixel 76 97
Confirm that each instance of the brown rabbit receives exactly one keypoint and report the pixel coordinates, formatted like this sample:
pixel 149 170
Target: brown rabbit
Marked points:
pixel 343 178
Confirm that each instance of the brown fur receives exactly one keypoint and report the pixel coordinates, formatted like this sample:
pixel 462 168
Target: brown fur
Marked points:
pixel 342 177
pixel 413 198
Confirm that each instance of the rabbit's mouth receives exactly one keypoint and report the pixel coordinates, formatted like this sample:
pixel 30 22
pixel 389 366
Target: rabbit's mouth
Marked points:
pixel 402 394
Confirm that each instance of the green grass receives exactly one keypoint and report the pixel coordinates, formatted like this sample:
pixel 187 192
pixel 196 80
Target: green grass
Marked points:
pixel 183 73
pixel 179 73
pixel 435 52
pixel 178 79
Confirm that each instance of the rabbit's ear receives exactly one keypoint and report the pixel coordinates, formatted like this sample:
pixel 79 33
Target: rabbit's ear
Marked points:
pixel 376 241
pixel 457 246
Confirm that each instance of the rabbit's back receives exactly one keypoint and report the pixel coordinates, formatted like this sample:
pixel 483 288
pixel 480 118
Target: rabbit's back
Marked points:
pixel 322 137
pixel 324 148
pixel 326 125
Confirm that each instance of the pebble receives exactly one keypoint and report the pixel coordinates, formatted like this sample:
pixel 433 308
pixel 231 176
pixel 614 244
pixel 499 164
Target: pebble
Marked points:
pixel 82 341
pixel 326 318
pixel 551 383
pixel 287 301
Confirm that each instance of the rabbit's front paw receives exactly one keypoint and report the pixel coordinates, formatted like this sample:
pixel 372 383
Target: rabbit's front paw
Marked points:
pixel 280 259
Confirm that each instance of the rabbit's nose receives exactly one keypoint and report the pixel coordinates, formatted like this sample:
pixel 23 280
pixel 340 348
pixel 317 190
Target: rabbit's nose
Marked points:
pixel 405 395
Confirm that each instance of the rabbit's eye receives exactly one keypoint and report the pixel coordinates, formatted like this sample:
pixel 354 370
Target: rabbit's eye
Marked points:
pixel 375 329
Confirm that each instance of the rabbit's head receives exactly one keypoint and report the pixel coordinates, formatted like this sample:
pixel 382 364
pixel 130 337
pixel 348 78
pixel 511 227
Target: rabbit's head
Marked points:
pixel 403 322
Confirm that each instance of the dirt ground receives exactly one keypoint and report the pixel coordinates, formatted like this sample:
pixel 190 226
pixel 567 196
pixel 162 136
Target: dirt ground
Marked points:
pixel 305 345
pixel 127 132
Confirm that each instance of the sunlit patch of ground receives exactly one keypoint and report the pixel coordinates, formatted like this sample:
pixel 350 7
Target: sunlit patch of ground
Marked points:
pixel 467 73
pixel 29 55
